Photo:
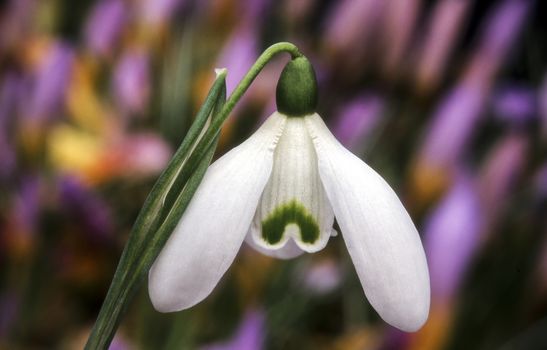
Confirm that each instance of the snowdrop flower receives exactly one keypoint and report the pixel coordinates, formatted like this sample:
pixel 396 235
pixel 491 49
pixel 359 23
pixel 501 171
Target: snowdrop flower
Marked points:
pixel 280 191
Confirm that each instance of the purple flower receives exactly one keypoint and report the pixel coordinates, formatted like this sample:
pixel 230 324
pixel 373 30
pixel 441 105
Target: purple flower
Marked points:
pixel 254 10
pixel 85 208
pixel 51 82
pixel 104 26
pixel 501 170
pixel 131 82
pixel 499 34
pixel 238 55
pixel 452 125
pixel 395 339
pixel 157 12
pixel 502 27
pixel 458 114
pixel 452 235
pixel 357 120
pixel 398 26
pixel 144 154
pixel 351 22
pixel 320 277
pixel 441 36
pixel 515 104
pixel 249 335
pixel 119 343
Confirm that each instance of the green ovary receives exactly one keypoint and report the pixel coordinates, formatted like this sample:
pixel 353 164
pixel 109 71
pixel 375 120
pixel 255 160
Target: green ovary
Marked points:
pixel 290 213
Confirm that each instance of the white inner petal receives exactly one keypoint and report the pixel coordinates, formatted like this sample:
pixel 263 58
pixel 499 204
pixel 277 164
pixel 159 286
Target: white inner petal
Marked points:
pixel 294 204
pixel 289 251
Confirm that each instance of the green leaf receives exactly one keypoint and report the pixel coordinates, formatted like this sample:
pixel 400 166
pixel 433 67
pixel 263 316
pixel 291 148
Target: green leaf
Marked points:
pixel 151 229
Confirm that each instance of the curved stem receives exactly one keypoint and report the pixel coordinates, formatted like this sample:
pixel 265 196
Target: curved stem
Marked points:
pixel 235 96
pixel 244 84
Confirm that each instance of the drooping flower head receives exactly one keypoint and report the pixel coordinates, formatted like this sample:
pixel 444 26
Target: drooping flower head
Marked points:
pixel 280 191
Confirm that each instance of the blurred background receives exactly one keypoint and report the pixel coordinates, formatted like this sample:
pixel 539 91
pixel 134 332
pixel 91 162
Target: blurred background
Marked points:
pixel 446 99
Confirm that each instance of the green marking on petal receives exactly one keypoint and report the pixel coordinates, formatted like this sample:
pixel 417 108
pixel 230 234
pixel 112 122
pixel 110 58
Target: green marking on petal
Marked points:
pixel 290 213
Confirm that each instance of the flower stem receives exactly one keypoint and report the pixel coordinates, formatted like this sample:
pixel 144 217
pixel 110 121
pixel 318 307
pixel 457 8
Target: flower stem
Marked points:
pixel 244 84
pixel 146 226
pixel 169 198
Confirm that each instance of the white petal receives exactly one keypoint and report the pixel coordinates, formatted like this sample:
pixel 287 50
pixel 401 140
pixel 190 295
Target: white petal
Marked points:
pixel 294 205
pixel 289 251
pixel 211 231
pixel 379 234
